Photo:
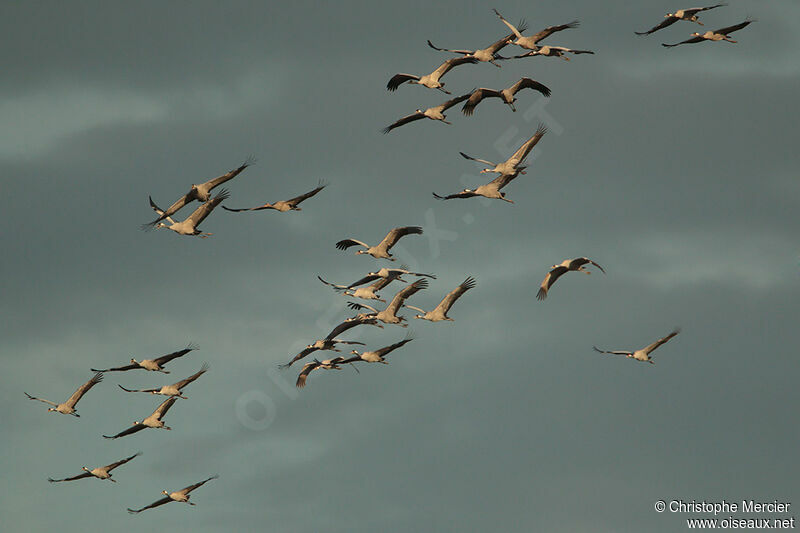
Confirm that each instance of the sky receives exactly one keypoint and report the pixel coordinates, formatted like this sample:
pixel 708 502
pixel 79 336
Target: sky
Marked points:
pixel 675 169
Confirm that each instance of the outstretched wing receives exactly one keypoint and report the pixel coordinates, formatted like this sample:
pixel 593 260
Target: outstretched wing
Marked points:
pixel 365 279
pixel 550 30
pixel 162 409
pixel 182 383
pixel 462 194
pixel 448 301
pixel 526 148
pixel 307 368
pixel 451 63
pixel 204 210
pixel 297 199
pixel 697 39
pixel 453 101
pixel 162 501
pixel 466 52
pixel 112 466
pixel 117 369
pixel 668 21
pixel 503 179
pixel 239 210
pixel 475 98
pixel 405 120
pixel 79 476
pixel 661 341
pixel 54 404
pixel 78 394
pixel 528 83
pixel 174 355
pixel 580 261
pixel 133 429
pixel 731 29
pixel 385 350
pixel 401 295
pixel 347 243
pixel 137 390
pixel 570 50
pixel 507 23
pixel 549 280
pixel 297 357
pixel 229 175
pixel 190 488
pixel 339 341
pixel 348 324
pixel 337 288
pixel 611 352
pixel 503 42
pixel 696 10
pixel 399 79
pixel 485 162
pixel 393 236
pixel 171 210
pixel 358 307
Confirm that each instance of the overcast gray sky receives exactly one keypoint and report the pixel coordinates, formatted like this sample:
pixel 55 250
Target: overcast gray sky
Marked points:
pixel 675 169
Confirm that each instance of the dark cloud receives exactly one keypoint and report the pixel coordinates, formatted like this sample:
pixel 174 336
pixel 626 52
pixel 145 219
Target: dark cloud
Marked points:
pixel 674 169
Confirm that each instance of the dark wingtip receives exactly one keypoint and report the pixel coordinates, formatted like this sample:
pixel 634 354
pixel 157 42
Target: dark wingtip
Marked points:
pixel 386 130
pixel 437 196
pixel 541 295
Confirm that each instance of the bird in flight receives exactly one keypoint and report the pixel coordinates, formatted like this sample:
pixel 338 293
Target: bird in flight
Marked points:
pixel 556 271
pixel 531 42
pixel 189 225
pixel 389 315
pixel 506 95
pixel 376 356
pixel 323 344
pixel 283 205
pixel 153 365
pixel 152 421
pixel 176 389
pixel 553 51
pixel 433 113
pixel 101 472
pixel 381 250
pixel 439 313
pixel 488 190
pixel 712 35
pixel 430 80
pixel 200 192
pixel 68 407
pixel 327 364
pixel 681 14
pixel 488 54
pixel 514 163
pixel 643 354
pixel 178 496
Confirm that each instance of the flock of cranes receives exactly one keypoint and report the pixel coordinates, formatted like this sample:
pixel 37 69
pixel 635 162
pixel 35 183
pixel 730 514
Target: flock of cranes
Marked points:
pixel 154 420
pixel 368 287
